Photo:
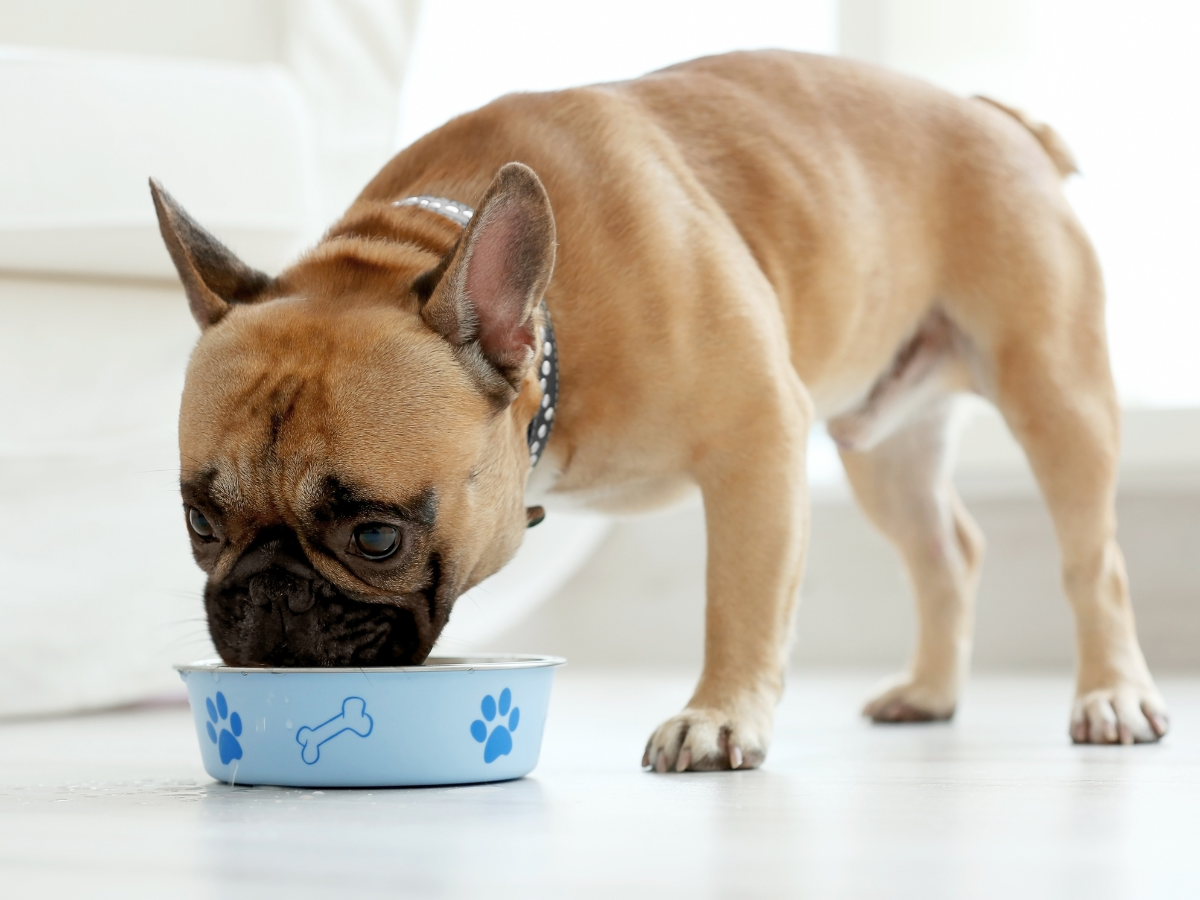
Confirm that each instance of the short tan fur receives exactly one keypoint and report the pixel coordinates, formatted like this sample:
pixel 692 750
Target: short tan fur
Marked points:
pixel 739 246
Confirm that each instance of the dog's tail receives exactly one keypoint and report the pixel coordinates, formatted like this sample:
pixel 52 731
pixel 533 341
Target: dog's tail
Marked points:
pixel 1056 148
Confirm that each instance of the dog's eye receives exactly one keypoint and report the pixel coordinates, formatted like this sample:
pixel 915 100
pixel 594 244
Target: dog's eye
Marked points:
pixel 199 523
pixel 376 540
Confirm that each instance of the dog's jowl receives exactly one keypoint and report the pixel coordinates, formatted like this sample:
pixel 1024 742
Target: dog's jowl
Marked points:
pixel 615 294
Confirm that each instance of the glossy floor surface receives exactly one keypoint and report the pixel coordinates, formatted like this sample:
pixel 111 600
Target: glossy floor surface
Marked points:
pixel 997 804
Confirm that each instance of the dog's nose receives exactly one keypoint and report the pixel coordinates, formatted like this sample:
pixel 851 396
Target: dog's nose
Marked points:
pixel 277 586
pixel 275 571
pixel 274 548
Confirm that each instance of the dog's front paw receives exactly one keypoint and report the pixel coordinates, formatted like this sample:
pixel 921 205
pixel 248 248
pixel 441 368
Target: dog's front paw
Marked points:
pixel 1125 714
pixel 705 739
pixel 903 698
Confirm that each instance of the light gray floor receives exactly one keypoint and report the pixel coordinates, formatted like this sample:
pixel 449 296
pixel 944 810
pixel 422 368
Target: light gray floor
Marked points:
pixel 996 805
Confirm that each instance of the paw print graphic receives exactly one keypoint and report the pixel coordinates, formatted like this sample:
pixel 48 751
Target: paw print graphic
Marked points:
pixel 499 742
pixel 227 741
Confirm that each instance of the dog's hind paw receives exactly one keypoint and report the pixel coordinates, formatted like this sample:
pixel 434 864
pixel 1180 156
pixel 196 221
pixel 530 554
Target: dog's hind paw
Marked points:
pixel 1121 715
pixel 904 699
pixel 701 739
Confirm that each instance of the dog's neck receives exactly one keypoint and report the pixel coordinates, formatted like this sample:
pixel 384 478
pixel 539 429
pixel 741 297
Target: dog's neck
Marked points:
pixel 547 356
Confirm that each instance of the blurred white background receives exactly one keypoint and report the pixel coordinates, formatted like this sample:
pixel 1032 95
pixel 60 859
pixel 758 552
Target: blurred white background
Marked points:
pixel 265 116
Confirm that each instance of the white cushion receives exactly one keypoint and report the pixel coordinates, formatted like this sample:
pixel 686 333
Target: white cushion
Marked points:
pixel 83 133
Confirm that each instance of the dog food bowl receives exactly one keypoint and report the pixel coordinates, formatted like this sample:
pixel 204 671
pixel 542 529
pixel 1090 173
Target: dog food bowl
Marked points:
pixel 450 721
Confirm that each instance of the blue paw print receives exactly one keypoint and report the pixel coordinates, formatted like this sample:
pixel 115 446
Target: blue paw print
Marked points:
pixel 227 743
pixel 499 742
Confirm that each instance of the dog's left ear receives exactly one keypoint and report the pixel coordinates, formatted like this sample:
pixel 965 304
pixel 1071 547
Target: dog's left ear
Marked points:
pixel 495 278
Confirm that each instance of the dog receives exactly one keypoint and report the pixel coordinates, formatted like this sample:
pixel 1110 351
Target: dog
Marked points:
pixel 707 260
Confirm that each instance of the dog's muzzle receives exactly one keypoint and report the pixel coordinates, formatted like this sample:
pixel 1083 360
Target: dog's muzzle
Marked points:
pixel 274 609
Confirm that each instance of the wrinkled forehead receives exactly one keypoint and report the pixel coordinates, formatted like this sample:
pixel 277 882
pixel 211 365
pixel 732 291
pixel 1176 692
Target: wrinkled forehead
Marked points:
pixel 320 499
pixel 369 398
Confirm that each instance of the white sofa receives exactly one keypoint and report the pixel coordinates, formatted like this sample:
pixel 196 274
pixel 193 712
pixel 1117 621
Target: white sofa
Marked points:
pixel 264 118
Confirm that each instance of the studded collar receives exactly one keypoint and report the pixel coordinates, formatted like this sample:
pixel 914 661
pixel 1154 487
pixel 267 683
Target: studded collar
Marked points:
pixel 539 429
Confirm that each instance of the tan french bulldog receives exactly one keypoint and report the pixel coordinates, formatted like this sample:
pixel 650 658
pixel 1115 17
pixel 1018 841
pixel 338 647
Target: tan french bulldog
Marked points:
pixel 740 246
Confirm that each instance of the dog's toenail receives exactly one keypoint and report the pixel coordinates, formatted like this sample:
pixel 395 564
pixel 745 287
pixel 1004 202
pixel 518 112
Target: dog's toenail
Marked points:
pixel 735 757
pixel 685 760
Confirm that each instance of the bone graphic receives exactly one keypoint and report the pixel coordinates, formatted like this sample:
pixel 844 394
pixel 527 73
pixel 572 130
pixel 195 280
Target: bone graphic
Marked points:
pixel 353 717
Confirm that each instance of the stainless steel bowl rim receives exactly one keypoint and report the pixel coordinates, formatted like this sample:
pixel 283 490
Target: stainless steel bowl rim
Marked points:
pixel 483 662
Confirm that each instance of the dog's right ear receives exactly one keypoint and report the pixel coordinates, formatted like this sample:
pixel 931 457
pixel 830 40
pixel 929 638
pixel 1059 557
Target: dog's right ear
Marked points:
pixel 212 276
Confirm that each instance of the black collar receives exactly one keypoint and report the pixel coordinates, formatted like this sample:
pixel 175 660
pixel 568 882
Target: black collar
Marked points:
pixel 543 422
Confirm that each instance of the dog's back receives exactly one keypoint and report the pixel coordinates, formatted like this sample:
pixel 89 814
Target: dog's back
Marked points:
pixel 866 197
pixel 863 196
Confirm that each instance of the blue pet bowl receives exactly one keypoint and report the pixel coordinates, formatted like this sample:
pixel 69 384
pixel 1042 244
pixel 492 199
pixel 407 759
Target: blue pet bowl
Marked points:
pixel 450 721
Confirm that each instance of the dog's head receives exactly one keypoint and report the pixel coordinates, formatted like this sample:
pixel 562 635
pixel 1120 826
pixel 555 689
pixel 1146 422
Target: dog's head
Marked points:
pixel 352 433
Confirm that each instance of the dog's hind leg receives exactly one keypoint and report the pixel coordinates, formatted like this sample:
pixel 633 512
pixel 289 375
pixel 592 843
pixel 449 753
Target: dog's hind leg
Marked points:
pixel 903 485
pixel 1053 384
